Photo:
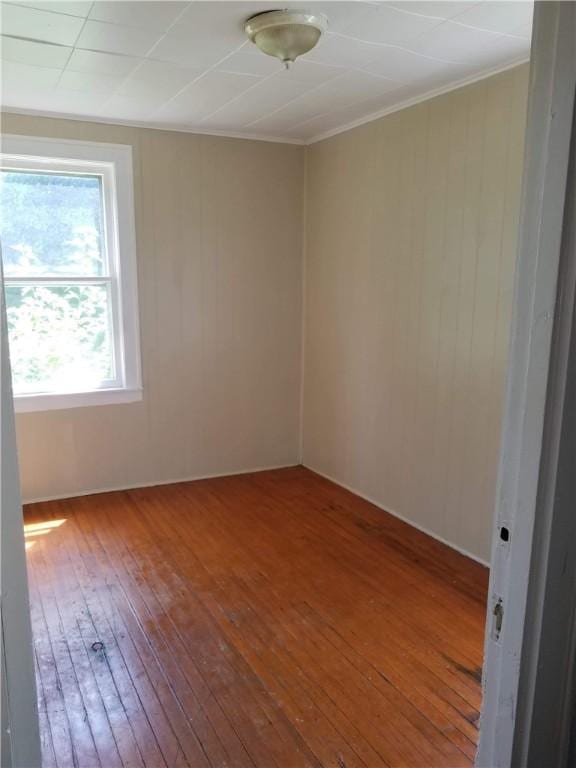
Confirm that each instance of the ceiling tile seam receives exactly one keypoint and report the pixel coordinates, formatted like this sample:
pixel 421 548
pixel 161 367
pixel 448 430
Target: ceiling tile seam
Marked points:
pixel 417 37
pixel 202 75
pixel 452 19
pixel 429 16
pixel 34 40
pixel 73 48
pixel 442 22
pixel 312 90
pixel 56 13
pixel 395 47
pixel 238 96
pixel 176 21
pixel 300 123
pixel 404 12
pixel 514 36
pixel 478 77
pixel 166 31
pixel 481 29
pixel 497 35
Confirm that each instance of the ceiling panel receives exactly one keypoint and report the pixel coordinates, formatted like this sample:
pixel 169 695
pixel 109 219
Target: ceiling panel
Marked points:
pixel 154 78
pixel 453 42
pixel 21 21
pixel 195 48
pixel 79 8
pixel 439 9
pixel 338 50
pixel 390 26
pixel 406 66
pixel 116 38
pixel 16 76
pixel 247 62
pixel 89 82
pixel 212 91
pixel 312 74
pixel 496 16
pixel 188 65
pixel 261 100
pixel 35 54
pixel 139 109
pixel 102 63
pixel 158 16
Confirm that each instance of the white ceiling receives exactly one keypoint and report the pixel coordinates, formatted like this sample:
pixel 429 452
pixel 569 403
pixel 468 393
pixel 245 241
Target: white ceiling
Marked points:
pixel 188 65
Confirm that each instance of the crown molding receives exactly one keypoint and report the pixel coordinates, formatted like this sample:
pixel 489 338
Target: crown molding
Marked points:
pixel 417 100
pixel 6 110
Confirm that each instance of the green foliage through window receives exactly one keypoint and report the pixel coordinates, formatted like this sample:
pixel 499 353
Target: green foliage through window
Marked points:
pixel 51 226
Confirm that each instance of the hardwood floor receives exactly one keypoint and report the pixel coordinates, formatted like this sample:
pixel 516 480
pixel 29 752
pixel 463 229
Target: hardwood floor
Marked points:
pixel 271 620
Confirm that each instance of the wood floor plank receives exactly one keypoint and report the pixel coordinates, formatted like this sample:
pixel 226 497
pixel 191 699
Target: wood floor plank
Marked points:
pixel 271 620
pixel 254 703
pixel 435 683
pixel 203 588
pixel 168 721
pixel 149 725
pixel 47 741
pixel 215 658
pixel 295 586
pixel 71 593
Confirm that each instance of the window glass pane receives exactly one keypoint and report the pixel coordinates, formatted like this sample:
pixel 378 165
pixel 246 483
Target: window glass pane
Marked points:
pixel 60 337
pixel 51 224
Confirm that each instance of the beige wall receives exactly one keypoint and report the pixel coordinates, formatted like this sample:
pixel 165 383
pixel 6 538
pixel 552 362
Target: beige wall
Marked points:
pixel 410 242
pixel 219 261
pixel 410 249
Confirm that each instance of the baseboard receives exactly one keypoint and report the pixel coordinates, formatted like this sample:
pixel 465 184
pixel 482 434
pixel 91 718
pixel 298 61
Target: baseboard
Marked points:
pixel 190 479
pixel 404 519
pixel 152 484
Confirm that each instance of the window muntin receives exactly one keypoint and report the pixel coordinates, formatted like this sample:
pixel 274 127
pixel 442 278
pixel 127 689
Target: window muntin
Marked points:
pixel 70 297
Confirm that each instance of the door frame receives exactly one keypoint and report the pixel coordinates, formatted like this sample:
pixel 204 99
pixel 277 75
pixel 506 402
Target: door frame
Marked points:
pixel 529 647
pixel 20 734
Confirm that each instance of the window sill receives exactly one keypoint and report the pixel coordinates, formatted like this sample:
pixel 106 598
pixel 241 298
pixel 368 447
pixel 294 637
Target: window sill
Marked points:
pixel 62 401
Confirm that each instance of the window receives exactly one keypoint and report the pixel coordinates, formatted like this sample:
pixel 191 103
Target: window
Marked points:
pixel 68 253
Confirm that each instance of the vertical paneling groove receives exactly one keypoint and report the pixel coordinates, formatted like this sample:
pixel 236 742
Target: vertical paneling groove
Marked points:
pixel 408 305
pixel 219 246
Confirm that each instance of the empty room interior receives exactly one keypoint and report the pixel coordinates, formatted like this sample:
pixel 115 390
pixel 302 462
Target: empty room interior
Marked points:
pixel 258 272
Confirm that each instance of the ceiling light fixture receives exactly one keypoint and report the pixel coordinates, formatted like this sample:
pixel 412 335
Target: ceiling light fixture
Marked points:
pixel 286 34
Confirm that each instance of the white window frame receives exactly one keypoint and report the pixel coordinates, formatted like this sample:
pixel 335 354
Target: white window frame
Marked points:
pixel 113 163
